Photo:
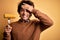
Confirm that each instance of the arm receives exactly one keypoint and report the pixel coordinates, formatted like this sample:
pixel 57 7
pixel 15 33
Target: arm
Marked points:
pixel 44 20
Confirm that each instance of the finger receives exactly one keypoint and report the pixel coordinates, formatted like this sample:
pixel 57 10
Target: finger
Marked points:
pixel 25 6
pixel 8 30
pixel 8 27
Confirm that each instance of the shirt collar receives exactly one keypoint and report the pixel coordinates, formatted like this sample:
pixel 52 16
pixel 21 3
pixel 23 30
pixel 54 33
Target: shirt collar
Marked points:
pixel 24 20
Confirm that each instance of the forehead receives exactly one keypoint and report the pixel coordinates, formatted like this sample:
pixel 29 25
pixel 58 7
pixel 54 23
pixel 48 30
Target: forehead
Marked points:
pixel 29 3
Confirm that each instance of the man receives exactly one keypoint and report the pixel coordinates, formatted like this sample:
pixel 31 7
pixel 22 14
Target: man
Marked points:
pixel 26 29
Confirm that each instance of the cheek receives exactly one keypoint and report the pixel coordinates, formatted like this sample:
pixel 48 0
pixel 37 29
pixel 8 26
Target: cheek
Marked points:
pixel 28 14
pixel 21 13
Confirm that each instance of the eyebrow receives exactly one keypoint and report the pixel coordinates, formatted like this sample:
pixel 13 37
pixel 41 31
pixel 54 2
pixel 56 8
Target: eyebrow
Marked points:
pixel 26 10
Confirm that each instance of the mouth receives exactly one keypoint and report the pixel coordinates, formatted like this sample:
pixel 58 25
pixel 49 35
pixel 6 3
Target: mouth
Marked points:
pixel 25 17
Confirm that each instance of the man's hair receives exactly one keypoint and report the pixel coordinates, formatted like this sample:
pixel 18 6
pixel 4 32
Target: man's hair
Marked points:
pixel 21 3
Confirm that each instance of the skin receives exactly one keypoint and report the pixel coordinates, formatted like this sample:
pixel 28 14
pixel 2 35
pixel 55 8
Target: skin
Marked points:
pixel 24 14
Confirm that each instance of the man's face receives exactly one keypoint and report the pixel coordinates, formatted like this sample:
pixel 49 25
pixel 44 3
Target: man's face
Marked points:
pixel 24 14
pixel 25 11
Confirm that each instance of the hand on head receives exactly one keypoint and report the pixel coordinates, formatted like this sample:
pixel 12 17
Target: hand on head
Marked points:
pixel 27 7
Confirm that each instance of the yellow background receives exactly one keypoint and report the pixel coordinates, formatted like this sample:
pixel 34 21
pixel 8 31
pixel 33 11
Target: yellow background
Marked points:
pixel 49 7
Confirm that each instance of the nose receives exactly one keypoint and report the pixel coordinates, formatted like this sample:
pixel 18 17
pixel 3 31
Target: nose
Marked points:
pixel 24 12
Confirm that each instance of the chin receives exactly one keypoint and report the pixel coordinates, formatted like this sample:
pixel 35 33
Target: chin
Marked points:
pixel 25 18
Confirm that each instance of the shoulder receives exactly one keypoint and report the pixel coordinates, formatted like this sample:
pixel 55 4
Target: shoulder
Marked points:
pixel 35 21
pixel 14 23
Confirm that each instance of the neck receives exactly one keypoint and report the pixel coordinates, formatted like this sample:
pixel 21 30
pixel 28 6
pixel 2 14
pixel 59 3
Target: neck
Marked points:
pixel 25 20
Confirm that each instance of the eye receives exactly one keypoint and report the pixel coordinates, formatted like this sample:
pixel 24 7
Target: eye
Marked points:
pixel 28 11
pixel 22 9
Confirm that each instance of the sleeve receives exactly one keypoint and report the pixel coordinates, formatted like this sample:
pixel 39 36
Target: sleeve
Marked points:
pixel 6 37
pixel 44 21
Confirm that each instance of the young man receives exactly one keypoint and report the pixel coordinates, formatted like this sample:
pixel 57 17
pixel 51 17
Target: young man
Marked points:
pixel 26 29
